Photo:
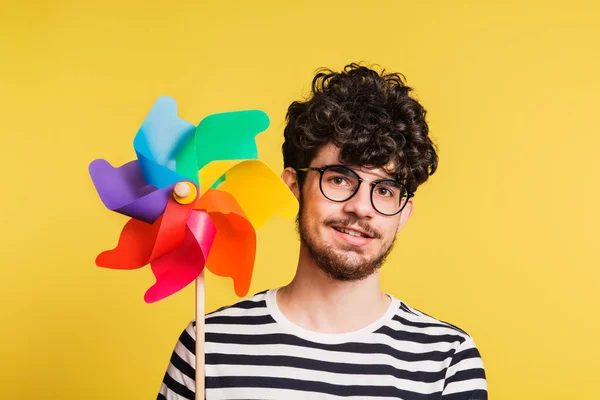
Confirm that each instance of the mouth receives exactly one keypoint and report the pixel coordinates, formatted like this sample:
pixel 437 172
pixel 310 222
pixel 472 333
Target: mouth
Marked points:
pixel 359 233
pixel 352 237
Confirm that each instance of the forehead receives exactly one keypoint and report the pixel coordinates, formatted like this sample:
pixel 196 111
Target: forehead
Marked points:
pixel 330 154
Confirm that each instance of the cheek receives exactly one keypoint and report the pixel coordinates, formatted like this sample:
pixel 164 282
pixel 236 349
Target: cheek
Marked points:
pixel 389 228
pixel 314 215
pixel 316 207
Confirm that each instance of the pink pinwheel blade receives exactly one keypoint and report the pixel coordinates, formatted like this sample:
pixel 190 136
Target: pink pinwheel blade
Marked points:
pixel 178 268
pixel 203 228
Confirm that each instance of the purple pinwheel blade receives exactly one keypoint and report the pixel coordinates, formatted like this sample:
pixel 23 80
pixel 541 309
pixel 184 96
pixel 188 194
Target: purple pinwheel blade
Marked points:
pixel 123 190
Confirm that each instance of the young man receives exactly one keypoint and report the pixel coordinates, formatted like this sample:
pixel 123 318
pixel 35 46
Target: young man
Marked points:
pixel 354 155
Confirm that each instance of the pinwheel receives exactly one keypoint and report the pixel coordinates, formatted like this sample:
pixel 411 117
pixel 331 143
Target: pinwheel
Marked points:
pixel 196 196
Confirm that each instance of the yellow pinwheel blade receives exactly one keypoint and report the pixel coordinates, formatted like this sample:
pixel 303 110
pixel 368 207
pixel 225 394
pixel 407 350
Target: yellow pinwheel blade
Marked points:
pixel 259 191
pixel 212 171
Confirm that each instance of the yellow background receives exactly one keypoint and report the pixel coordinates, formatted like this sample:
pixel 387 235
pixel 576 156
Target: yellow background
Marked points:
pixel 503 242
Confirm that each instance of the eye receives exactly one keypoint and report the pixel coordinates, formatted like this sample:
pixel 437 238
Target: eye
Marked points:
pixel 338 180
pixel 385 192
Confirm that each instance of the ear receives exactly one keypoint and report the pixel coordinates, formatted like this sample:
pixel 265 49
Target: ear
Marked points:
pixel 405 214
pixel 291 180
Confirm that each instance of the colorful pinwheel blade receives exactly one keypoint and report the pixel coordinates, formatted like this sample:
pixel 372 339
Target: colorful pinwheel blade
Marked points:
pixel 215 200
pixel 260 192
pixel 223 136
pixel 173 227
pixel 140 243
pixel 159 140
pixel 229 136
pixel 234 248
pixel 123 190
pixel 233 251
pixel 134 248
pixel 212 174
pixel 178 268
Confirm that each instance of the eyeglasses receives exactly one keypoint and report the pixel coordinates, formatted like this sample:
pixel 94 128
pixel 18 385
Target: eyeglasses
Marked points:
pixel 339 183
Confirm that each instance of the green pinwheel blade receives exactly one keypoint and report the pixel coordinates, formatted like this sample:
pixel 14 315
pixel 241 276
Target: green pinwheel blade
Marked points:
pixel 223 136
pixel 186 164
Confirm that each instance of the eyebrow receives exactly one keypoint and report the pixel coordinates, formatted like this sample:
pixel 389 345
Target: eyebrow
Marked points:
pixel 342 168
pixel 391 183
pixel 357 170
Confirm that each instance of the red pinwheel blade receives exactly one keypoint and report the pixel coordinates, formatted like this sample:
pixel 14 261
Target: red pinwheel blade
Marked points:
pixel 135 246
pixel 172 230
pixel 178 268
pixel 141 242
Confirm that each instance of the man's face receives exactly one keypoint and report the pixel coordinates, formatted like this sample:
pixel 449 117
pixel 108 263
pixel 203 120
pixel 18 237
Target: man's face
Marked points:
pixel 324 224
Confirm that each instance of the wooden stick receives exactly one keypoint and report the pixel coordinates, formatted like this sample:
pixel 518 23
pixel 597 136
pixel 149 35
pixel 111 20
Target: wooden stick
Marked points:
pixel 200 337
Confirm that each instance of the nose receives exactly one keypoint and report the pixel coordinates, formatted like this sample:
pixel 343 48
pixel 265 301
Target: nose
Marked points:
pixel 360 203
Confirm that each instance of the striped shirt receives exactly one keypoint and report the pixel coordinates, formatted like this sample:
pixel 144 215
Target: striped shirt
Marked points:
pixel 254 352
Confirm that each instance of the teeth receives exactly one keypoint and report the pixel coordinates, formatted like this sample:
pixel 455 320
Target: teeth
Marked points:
pixel 352 233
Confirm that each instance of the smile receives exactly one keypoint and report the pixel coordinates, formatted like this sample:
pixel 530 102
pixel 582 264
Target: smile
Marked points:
pixel 352 232
pixel 351 237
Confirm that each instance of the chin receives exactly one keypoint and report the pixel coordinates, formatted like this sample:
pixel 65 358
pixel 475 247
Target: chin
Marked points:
pixel 343 265
pixel 349 274
pixel 341 260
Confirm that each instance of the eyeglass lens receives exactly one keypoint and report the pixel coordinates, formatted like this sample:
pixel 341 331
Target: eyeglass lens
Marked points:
pixel 341 183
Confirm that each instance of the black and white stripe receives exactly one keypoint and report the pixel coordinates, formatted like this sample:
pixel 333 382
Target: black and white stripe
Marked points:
pixel 253 352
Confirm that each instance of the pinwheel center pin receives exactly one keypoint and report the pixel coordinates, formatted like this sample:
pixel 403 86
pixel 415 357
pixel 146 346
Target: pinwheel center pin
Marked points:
pixel 185 192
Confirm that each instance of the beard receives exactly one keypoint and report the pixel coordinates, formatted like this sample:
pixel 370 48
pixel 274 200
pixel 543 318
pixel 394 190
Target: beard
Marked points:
pixel 346 263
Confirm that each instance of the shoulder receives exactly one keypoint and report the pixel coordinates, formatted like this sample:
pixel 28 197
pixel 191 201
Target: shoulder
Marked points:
pixel 465 365
pixel 410 325
pixel 412 319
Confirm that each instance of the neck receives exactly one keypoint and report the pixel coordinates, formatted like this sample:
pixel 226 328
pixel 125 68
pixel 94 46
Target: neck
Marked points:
pixel 316 302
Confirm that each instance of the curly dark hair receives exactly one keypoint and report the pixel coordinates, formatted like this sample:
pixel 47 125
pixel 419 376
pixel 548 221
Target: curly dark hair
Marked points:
pixel 369 116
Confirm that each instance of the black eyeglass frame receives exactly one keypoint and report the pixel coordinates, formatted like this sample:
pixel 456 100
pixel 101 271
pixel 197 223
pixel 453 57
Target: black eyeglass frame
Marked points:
pixel 322 170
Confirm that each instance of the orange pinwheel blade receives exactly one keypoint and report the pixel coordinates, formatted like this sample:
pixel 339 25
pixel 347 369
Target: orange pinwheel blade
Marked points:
pixel 217 200
pixel 234 249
